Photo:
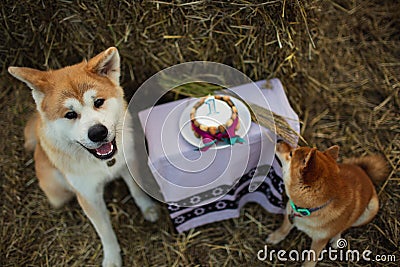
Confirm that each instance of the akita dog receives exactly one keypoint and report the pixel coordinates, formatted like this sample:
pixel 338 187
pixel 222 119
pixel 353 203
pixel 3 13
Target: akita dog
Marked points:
pixel 326 198
pixel 76 135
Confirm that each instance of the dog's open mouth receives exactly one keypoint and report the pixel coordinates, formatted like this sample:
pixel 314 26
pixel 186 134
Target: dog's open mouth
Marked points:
pixel 105 151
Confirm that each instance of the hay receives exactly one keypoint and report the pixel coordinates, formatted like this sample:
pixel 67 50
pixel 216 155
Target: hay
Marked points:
pixel 154 34
pixel 345 90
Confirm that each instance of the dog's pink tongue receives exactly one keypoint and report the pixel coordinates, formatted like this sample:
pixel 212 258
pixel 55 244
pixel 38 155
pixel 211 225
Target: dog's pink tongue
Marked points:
pixel 105 149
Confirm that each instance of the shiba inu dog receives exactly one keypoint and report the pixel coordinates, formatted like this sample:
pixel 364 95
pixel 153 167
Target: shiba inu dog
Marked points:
pixel 326 198
pixel 76 136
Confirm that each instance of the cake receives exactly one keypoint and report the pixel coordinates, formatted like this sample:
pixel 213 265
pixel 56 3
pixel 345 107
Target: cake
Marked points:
pixel 213 116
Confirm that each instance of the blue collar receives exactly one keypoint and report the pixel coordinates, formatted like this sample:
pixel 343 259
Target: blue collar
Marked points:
pixel 304 211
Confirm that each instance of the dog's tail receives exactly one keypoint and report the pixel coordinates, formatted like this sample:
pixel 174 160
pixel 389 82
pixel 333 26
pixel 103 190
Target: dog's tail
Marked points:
pixel 30 132
pixel 375 166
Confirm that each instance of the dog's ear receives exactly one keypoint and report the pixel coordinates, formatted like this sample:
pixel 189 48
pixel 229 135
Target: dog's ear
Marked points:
pixel 35 79
pixel 308 169
pixel 309 158
pixel 106 64
pixel 333 152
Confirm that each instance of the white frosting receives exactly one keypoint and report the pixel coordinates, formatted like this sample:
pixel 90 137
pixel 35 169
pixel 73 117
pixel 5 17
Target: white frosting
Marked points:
pixel 221 116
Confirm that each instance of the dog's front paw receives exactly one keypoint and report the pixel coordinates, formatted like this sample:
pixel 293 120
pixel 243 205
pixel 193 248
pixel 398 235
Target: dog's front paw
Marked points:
pixel 112 256
pixel 337 242
pixel 151 213
pixel 275 237
pixel 114 261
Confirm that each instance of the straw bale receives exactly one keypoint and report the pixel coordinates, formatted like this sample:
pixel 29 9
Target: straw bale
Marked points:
pixel 257 37
pixel 338 60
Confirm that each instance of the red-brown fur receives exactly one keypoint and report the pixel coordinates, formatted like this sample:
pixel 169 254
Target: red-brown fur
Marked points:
pixel 314 179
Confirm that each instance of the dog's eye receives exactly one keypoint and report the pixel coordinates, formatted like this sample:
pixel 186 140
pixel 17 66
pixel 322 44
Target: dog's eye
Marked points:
pixel 290 154
pixel 98 102
pixel 71 115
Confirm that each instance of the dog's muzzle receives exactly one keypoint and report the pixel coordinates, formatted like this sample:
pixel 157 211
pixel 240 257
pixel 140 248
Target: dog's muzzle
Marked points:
pixel 98 133
pixel 106 149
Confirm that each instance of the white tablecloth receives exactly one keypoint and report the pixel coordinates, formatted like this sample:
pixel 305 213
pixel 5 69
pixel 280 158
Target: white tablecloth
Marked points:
pixel 203 187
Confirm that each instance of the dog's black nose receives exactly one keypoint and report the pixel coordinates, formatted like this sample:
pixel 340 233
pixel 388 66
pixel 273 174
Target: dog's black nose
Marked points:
pixel 97 133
